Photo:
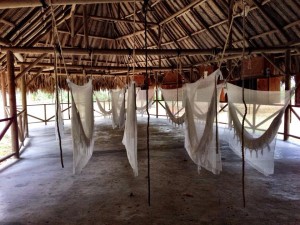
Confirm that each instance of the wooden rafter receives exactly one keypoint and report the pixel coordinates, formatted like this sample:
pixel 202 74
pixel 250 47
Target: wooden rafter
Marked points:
pixel 22 73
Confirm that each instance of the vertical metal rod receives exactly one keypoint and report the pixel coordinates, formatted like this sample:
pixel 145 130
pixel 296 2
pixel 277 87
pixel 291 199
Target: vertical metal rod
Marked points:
pixel 287 113
pixel 156 94
pixel 45 114
pixel 147 102
pixel 24 101
pixel 245 113
pixel 12 102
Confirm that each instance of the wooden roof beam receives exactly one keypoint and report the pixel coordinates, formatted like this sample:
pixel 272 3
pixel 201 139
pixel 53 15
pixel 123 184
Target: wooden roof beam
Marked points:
pixel 274 23
pixel 120 52
pixel 100 68
pixel 14 4
pixel 102 18
pixel 31 65
pixel 167 20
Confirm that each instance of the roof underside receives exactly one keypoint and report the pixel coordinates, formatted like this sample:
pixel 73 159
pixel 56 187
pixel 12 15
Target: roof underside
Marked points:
pixel 176 24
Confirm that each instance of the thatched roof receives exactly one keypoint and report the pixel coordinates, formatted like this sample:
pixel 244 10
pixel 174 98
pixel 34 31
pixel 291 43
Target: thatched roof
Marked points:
pixel 271 26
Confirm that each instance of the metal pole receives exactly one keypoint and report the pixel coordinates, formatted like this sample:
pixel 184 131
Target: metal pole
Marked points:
pixel 287 87
pixel 24 102
pixel 45 114
pixel 12 102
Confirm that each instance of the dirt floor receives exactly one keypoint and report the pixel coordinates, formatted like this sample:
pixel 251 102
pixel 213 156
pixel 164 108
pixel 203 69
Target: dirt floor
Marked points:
pixel 36 190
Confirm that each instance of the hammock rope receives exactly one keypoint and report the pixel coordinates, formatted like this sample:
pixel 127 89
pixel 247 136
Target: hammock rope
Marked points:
pixel 145 9
pixel 55 33
pixel 246 109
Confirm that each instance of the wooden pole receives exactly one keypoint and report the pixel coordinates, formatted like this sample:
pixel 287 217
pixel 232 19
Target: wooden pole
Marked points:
pixel 287 114
pixel 31 65
pixel 85 27
pixel 24 102
pixel 230 17
pixel 168 52
pixel 12 102
pixel 13 4
pixel 3 91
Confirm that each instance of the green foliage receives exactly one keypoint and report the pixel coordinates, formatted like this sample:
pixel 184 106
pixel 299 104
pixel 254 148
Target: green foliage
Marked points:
pixel 40 97
pixel 5 146
pixel 102 95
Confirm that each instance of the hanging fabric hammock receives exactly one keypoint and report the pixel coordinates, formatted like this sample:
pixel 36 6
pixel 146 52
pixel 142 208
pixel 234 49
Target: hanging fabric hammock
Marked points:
pixel 174 95
pixel 118 108
pixel 201 140
pixel 58 119
pixel 263 120
pixel 130 131
pixel 82 124
pixel 101 108
pixel 141 99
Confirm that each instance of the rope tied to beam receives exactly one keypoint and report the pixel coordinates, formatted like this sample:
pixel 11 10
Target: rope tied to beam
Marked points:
pixel 145 10
pixel 245 113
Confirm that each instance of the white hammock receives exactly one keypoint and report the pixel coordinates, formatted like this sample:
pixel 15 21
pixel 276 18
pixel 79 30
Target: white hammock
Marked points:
pixel 130 131
pixel 262 121
pixel 177 95
pixel 141 99
pixel 118 108
pixel 58 119
pixel 82 124
pixel 101 108
pixel 200 132
pixel 175 119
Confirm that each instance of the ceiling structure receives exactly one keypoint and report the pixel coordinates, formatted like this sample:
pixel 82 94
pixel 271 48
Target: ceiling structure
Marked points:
pixel 100 36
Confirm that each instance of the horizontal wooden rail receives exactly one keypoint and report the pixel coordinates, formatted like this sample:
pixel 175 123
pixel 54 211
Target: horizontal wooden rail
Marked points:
pixel 5 119
pixel 295 113
pixel 3 132
pixel 7 157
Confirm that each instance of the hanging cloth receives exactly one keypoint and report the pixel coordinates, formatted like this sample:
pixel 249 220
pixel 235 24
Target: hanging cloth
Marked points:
pixel 58 119
pixel 178 96
pixel 263 120
pixel 82 124
pixel 141 99
pixel 200 132
pixel 118 108
pixel 101 108
pixel 130 131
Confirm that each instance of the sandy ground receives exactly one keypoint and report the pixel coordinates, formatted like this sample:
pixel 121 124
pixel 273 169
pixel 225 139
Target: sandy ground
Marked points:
pixel 36 190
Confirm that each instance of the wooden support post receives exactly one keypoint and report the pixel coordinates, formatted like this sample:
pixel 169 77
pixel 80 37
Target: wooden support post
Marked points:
pixel 158 73
pixel 230 17
pixel 24 102
pixel 85 27
pixel 73 30
pixel 12 102
pixel 287 113
pixel 3 91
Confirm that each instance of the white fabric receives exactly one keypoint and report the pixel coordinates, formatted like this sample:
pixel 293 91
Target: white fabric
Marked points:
pixel 173 94
pixel 118 108
pixel 264 114
pixel 141 100
pixel 101 108
pixel 130 131
pixel 58 119
pixel 201 141
pixel 82 124
pixel 177 96
pixel 175 119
